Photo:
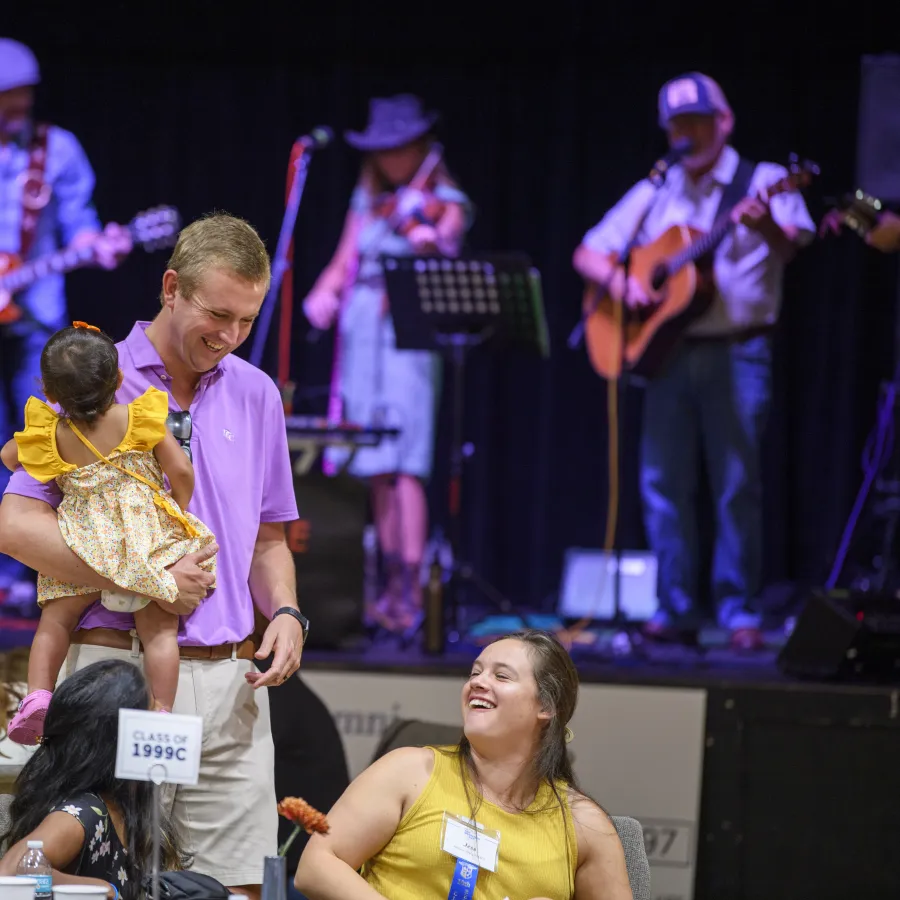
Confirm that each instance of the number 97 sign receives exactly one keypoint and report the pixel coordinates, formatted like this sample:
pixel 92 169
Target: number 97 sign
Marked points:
pixel 667 843
pixel 158 747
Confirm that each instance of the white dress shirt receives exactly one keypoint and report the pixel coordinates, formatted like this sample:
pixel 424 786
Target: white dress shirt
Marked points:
pixel 748 275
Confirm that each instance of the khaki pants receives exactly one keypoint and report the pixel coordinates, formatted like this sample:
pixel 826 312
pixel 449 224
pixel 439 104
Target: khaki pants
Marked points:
pixel 228 821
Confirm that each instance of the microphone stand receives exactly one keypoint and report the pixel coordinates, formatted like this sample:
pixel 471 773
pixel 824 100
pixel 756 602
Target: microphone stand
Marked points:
pixel 623 644
pixel 281 262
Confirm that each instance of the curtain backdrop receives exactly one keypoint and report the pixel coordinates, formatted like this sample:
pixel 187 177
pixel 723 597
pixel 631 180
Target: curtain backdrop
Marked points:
pixel 547 118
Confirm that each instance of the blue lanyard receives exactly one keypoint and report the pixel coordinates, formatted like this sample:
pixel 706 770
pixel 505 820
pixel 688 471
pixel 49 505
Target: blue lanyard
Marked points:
pixel 464 878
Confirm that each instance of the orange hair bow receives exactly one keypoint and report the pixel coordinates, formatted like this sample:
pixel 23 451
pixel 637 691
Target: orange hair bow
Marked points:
pixel 85 325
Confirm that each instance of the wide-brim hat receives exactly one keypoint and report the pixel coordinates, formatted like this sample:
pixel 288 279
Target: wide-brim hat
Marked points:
pixel 393 122
pixel 18 65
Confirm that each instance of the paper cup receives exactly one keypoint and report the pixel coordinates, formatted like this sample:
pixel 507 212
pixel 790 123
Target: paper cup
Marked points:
pixel 17 887
pixel 80 890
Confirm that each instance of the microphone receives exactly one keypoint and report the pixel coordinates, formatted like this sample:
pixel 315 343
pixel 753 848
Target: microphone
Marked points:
pixel 317 138
pixel 679 150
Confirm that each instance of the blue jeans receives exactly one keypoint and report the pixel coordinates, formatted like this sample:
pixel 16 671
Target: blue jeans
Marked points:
pixel 20 377
pixel 713 398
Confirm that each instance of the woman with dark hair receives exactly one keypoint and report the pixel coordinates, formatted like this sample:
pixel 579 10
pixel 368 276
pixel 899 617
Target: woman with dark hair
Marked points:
pixel 392 832
pixel 95 827
pixel 405 203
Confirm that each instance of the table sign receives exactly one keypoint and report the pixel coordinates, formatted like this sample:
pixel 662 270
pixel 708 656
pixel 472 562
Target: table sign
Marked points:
pixel 158 747
pixel 161 748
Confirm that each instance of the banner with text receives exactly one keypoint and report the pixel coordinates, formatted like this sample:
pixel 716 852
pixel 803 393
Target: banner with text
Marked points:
pixel 637 750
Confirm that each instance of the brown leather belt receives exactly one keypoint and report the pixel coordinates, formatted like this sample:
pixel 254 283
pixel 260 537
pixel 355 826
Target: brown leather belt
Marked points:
pixel 121 640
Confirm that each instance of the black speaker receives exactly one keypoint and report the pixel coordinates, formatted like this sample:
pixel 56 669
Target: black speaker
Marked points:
pixel 845 636
pixel 327 543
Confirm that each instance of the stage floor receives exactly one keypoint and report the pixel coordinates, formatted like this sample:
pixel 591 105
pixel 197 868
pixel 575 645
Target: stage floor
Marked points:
pixel 714 663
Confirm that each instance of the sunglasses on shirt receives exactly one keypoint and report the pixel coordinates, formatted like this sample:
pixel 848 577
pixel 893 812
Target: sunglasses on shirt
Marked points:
pixel 182 427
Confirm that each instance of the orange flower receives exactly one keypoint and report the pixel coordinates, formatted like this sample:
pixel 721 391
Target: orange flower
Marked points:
pixel 85 325
pixel 298 811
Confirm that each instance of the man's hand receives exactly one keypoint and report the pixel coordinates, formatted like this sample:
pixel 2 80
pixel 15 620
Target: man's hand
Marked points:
pixel 285 636
pixel 193 582
pixel 753 212
pixel 634 294
pixel 109 247
pixel 885 236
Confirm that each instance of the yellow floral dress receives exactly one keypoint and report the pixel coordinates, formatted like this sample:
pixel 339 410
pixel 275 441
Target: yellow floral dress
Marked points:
pixel 115 515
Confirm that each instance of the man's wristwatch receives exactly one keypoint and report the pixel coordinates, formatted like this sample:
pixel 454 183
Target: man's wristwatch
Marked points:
pixel 290 611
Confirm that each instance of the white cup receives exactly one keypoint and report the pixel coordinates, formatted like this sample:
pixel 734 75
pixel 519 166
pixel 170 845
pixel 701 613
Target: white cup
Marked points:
pixel 80 890
pixel 17 887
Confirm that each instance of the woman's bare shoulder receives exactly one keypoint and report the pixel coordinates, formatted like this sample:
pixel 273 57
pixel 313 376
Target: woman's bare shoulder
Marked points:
pixel 589 816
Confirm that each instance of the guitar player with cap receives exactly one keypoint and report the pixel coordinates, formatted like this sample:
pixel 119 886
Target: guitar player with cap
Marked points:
pixel 712 395
pixel 46 183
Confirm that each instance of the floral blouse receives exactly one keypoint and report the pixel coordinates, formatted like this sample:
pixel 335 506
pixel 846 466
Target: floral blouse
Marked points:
pixel 102 854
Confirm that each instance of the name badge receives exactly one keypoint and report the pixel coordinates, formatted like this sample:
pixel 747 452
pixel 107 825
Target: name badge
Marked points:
pixel 159 748
pixel 470 842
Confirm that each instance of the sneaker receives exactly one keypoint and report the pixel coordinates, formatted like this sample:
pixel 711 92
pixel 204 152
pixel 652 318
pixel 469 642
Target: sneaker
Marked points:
pixel 27 725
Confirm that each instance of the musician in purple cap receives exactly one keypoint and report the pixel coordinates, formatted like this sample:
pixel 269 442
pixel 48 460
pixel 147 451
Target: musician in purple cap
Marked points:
pixel 405 202
pixel 46 183
pixel 712 396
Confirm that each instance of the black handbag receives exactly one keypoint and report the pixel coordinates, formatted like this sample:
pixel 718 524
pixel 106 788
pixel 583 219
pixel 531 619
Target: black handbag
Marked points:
pixel 185 886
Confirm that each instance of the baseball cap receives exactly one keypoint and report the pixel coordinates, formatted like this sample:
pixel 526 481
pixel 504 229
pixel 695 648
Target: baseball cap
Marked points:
pixel 18 65
pixel 691 93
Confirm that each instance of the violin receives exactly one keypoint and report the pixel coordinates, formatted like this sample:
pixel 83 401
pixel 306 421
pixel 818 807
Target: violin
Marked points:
pixel 415 203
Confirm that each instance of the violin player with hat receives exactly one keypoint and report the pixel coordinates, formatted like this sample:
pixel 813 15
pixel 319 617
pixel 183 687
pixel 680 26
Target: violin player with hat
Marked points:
pixel 405 202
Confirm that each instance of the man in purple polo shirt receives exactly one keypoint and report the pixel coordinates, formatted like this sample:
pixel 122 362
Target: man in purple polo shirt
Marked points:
pixel 235 433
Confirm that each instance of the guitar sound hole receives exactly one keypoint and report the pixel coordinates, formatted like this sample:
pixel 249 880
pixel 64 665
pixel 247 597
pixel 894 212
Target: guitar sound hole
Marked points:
pixel 658 279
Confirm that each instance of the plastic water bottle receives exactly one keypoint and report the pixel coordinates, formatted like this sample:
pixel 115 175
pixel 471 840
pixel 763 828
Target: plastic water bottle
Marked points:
pixel 35 865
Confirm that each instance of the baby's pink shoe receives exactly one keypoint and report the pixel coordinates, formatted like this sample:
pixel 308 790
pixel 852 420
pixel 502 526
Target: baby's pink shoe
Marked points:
pixel 27 725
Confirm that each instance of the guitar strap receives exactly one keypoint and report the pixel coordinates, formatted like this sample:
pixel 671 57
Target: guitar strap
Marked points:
pixel 738 189
pixel 35 190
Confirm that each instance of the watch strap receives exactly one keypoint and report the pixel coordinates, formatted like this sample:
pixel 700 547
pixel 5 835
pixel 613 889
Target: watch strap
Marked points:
pixel 290 611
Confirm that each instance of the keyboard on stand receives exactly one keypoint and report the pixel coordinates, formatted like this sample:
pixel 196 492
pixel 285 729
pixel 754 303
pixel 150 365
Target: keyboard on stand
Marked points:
pixel 309 435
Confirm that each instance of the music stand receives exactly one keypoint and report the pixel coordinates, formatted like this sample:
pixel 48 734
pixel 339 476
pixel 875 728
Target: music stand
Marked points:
pixel 452 306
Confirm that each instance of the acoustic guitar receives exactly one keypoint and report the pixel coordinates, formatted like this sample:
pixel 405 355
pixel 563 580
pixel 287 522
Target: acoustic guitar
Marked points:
pixel 150 229
pixel 675 271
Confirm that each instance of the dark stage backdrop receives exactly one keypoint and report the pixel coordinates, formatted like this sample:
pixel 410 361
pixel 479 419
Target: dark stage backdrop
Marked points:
pixel 548 116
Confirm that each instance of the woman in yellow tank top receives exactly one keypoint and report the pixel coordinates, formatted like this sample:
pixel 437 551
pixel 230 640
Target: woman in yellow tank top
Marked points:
pixel 403 829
